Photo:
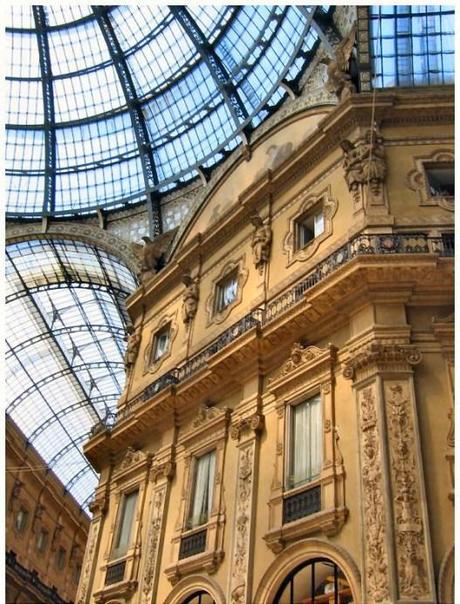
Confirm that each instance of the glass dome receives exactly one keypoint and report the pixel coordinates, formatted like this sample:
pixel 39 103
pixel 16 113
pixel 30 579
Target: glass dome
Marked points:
pixel 108 105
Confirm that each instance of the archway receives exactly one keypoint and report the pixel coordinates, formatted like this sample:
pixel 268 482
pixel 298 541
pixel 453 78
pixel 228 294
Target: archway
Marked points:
pixel 307 572
pixel 196 589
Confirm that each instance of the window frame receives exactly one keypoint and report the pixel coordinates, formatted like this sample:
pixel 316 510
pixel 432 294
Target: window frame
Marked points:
pixel 42 544
pixel 307 373
pixel 211 486
pixel 166 323
pixel 237 267
pixel 417 179
pixel 164 331
pixel 307 204
pixel 208 432
pixel 231 278
pixel 21 529
pixel 300 226
pixel 115 553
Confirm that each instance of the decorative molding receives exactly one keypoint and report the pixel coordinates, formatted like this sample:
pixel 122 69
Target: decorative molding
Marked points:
pixel 307 202
pixel 416 179
pixel 133 461
pixel 375 552
pixel 409 529
pixel 243 273
pixel 379 356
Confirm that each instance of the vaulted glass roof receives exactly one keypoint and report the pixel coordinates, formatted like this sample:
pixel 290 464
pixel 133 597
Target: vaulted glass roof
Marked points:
pixel 65 318
pixel 108 105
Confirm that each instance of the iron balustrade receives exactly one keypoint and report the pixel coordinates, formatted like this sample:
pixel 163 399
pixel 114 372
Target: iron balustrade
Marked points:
pixel 115 573
pixel 361 245
pixel 31 578
pixel 301 504
pixel 192 544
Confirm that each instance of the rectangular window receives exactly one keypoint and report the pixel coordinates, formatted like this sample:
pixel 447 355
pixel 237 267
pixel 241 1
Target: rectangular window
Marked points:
pixel 42 540
pixel 226 291
pixel 441 179
pixel 161 343
pixel 306 442
pixel 60 558
pixel 123 536
pixel 201 502
pixel 308 227
pixel 21 520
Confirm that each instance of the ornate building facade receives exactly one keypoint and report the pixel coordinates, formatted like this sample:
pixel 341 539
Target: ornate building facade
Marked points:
pixel 46 529
pixel 291 428
pixel 285 430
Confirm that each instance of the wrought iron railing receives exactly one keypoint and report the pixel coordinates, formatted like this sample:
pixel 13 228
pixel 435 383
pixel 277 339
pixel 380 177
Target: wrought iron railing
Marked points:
pixel 373 244
pixel 115 573
pixel 192 544
pixel 301 504
pixel 31 578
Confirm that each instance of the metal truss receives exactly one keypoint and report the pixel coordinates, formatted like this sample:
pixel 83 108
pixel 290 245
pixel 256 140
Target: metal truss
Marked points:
pixel 217 69
pixel 48 106
pixel 137 118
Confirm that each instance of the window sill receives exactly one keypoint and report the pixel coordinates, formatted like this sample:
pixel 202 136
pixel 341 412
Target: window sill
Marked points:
pixel 208 561
pixel 123 589
pixel 328 522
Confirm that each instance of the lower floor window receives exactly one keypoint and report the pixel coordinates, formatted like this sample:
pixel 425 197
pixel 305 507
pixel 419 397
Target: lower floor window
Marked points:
pixel 199 597
pixel 306 442
pixel 201 502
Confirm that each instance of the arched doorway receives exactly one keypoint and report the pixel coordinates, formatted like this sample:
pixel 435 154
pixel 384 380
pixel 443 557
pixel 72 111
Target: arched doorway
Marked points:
pixel 315 581
pixel 199 597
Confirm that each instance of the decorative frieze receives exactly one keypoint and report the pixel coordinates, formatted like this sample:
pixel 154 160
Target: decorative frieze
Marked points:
pixel 410 539
pixel 253 422
pixel 375 555
pixel 378 355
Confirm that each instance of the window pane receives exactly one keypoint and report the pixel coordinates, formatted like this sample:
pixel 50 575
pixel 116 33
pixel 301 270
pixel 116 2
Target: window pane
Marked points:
pixel 204 481
pixel 126 520
pixel 306 442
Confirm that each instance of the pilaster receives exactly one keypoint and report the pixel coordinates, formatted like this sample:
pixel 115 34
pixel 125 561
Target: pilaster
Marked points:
pixel 397 550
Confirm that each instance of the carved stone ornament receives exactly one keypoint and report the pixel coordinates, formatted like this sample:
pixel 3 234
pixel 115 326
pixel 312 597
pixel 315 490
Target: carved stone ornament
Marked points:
pixel 238 585
pixel 301 355
pixel 133 339
pixel 417 179
pixel 84 581
pixel 412 567
pixel 162 470
pixel 376 558
pixel 190 298
pixel 151 548
pixel 253 422
pixel 152 254
pixel 381 354
pixel 206 414
pixel 364 164
pixel 338 68
pixel 260 242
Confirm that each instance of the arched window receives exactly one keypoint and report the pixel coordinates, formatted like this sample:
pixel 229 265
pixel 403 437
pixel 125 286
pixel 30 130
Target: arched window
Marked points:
pixel 199 597
pixel 316 581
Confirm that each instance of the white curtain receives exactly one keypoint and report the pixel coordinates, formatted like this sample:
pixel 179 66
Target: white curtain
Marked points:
pixel 307 443
pixel 319 224
pixel 126 520
pixel 204 481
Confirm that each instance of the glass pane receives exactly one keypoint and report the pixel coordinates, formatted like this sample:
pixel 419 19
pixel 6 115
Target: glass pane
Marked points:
pixel 125 524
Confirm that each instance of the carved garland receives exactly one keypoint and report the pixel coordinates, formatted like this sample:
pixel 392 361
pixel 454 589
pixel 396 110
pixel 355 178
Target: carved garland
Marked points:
pixel 153 537
pixel 376 560
pixel 238 587
pixel 412 567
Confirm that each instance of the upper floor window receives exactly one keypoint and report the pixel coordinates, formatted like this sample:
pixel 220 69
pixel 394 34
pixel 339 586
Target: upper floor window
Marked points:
pixel 20 521
pixel 305 442
pixel 42 540
pixel 201 502
pixel 309 226
pixel 199 597
pixel 441 179
pixel 226 291
pixel 161 342
pixel 60 558
pixel 125 522
pixel 412 45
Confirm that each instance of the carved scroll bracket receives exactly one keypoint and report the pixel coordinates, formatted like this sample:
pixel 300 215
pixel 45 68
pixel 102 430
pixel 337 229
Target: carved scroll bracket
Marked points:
pixel 245 425
pixel 377 357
